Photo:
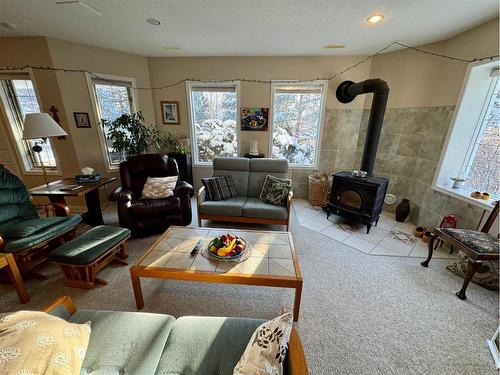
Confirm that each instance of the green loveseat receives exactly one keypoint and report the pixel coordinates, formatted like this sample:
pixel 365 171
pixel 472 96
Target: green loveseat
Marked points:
pixel 139 343
pixel 248 176
pixel 22 232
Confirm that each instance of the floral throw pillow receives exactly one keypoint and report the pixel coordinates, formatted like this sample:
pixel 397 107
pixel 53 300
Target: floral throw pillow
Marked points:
pixel 266 351
pixel 33 342
pixel 159 187
pixel 275 190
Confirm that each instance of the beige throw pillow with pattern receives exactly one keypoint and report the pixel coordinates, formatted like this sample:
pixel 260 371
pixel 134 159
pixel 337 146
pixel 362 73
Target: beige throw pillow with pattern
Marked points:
pixel 159 187
pixel 33 342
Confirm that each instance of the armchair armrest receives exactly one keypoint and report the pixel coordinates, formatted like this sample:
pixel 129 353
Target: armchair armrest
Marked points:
pixel 61 209
pixel 183 188
pixel 201 196
pixel 120 195
pixel 2 243
pixel 64 302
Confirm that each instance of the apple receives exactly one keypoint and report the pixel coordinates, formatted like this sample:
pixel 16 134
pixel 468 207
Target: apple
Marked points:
pixel 239 248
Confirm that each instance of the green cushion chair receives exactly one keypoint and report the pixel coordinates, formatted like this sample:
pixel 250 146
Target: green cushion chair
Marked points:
pixel 22 231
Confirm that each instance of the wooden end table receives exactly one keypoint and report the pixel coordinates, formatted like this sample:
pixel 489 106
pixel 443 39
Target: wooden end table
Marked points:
pixel 90 190
pixel 7 261
pixel 272 262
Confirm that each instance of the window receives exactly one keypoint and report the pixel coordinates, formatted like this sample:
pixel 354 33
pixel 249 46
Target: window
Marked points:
pixel 473 143
pixel 19 98
pixel 112 98
pixel 297 114
pixel 214 120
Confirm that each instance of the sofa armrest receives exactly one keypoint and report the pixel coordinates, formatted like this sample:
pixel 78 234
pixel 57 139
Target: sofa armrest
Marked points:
pixel 183 188
pixel 296 358
pixel 120 195
pixel 201 196
pixel 64 302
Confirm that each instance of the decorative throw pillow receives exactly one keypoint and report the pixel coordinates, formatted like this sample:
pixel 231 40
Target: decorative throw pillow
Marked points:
pixel 159 187
pixel 275 190
pixel 220 187
pixel 266 351
pixel 33 342
pixel 487 276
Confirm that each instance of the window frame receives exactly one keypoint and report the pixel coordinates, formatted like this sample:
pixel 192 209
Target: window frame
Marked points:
pixel 324 92
pixel 465 107
pixel 128 82
pixel 28 167
pixel 194 143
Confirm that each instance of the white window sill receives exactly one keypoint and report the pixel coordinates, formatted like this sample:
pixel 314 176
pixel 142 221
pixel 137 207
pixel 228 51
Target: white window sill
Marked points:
pixel 464 195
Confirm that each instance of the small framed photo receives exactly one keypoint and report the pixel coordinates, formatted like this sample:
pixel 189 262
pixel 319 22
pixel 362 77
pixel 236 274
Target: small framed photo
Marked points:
pixel 170 113
pixel 82 119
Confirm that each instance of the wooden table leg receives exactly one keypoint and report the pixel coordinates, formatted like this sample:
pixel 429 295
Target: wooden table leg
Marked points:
pixel 430 247
pixel 16 279
pixel 472 268
pixel 93 216
pixel 136 284
pixel 296 302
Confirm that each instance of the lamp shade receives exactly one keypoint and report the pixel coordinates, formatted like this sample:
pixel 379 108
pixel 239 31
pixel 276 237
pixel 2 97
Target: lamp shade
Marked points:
pixel 41 125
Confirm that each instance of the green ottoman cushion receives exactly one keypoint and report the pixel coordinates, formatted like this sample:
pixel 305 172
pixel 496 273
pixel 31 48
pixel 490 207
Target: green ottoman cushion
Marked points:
pixel 56 228
pixel 90 245
pixel 206 345
pixel 125 343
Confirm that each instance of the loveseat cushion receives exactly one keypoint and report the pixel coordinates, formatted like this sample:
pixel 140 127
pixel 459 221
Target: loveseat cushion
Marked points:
pixel 259 169
pixel 124 342
pixel 90 245
pixel 15 245
pixel 205 345
pixel 255 207
pixel 145 208
pixel 235 167
pixel 227 207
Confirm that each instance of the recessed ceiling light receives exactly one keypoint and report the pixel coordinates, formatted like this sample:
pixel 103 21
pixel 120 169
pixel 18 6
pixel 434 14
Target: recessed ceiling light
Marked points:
pixel 153 21
pixel 375 18
pixel 332 46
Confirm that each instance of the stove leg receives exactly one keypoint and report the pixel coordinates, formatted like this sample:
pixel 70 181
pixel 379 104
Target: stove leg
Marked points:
pixel 327 213
pixel 376 222
pixel 368 227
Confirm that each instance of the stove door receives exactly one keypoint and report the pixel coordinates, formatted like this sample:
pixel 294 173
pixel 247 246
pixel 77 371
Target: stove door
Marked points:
pixel 351 198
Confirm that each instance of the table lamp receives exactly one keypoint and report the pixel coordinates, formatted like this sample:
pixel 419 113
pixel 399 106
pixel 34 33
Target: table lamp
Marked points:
pixel 41 126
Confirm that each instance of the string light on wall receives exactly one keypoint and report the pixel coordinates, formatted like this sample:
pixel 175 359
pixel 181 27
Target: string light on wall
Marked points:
pixel 263 81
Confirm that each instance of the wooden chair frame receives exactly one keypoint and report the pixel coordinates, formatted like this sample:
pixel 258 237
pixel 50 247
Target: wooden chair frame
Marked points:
pixel 32 257
pixel 296 357
pixel 475 258
pixel 242 219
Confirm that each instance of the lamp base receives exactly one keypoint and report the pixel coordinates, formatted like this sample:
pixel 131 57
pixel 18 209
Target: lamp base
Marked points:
pixel 38 149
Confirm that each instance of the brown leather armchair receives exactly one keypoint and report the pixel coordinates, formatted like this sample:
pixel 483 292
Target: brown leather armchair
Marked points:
pixel 150 216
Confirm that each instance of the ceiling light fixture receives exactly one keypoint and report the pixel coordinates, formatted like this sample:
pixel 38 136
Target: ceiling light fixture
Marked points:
pixel 333 46
pixel 375 18
pixel 153 21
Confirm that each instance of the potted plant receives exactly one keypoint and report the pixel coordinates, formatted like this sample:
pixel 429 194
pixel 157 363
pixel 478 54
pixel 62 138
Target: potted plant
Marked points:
pixel 129 135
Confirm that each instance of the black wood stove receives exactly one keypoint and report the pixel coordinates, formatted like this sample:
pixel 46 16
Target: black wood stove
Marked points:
pixel 362 198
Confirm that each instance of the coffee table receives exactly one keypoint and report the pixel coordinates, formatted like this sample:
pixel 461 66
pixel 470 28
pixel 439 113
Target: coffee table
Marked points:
pixel 272 261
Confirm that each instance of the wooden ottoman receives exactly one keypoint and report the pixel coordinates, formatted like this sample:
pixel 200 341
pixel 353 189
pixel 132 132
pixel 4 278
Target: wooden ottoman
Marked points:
pixel 81 258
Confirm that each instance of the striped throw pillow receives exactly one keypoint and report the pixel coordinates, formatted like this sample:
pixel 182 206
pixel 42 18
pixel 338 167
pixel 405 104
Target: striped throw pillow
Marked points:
pixel 219 187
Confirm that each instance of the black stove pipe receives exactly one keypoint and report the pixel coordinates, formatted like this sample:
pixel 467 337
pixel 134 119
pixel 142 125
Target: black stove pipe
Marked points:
pixel 346 92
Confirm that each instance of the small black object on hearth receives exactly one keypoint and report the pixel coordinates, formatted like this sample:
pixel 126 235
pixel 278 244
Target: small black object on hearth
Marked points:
pixel 353 196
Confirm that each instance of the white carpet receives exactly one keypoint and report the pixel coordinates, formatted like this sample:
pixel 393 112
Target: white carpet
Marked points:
pixel 360 314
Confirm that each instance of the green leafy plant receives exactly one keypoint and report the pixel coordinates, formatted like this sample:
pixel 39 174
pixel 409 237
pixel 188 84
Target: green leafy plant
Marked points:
pixel 128 134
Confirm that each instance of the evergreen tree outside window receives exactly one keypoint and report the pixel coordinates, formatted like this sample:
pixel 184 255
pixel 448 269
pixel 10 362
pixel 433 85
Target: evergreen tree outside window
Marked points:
pixel 297 114
pixel 214 120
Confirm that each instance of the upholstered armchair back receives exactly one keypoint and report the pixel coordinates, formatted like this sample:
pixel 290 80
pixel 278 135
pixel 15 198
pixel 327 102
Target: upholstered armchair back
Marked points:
pixel 135 171
pixel 15 203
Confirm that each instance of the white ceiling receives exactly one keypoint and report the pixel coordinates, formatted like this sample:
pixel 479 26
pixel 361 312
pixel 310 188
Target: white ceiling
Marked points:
pixel 247 27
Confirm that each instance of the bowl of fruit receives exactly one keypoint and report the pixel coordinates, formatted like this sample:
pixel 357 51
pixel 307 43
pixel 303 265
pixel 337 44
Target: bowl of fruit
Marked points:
pixel 227 247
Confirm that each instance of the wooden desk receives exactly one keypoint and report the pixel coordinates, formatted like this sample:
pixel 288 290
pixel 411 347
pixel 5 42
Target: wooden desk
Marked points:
pixel 7 261
pixel 90 190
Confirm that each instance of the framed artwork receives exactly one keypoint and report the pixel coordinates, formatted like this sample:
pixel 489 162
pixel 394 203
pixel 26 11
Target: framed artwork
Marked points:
pixel 170 113
pixel 255 119
pixel 82 119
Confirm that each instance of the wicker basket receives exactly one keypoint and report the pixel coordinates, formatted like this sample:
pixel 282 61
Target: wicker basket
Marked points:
pixel 319 186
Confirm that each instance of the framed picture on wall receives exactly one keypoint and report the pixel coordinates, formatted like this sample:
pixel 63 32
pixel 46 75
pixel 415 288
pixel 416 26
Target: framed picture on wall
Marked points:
pixel 82 119
pixel 170 112
pixel 254 118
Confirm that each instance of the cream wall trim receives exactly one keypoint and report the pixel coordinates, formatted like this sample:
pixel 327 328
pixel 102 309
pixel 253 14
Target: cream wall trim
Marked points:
pixel 25 165
pixel 194 146
pixel 324 91
pixel 95 114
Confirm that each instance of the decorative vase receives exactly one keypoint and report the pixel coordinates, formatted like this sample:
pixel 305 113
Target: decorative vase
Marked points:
pixel 402 210
pixel 254 148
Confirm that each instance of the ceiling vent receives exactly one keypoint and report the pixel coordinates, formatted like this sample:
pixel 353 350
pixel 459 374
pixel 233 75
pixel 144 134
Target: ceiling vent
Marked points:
pixel 78 8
